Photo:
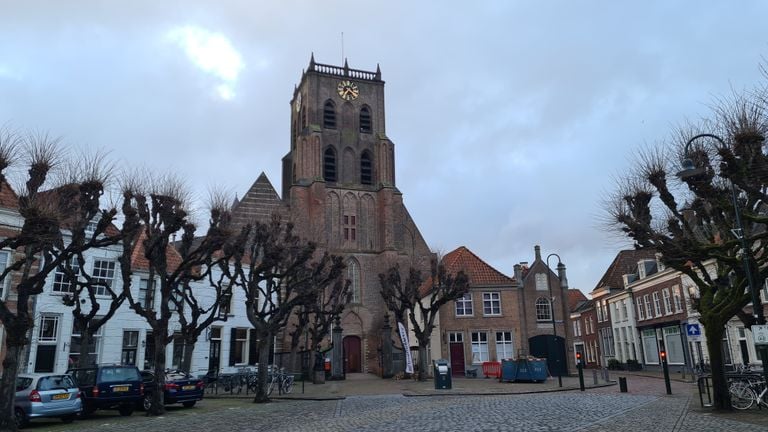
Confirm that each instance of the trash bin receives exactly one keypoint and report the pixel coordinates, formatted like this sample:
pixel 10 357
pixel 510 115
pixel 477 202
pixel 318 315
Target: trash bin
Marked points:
pixel 442 374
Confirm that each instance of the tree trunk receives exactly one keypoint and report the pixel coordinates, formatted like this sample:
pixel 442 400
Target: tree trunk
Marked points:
pixel 86 340
pixel 8 386
pixel 189 349
pixel 423 362
pixel 264 343
pixel 158 404
pixel 714 329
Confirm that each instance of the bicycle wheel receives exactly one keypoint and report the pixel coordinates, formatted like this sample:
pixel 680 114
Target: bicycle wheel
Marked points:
pixel 288 385
pixel 271 386
pixel 742 396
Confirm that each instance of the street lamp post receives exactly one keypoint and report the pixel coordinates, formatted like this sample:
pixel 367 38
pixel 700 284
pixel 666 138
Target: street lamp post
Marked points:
pixel 561 269
pixel 690 170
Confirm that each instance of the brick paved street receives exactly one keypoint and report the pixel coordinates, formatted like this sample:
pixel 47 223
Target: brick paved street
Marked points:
pixel 644 408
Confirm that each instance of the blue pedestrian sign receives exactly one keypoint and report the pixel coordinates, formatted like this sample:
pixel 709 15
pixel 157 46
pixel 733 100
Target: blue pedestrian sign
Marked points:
pixel 693 330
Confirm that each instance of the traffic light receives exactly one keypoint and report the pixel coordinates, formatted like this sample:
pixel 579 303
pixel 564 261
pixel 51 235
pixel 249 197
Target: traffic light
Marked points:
pixel 578 357
pixel 663 355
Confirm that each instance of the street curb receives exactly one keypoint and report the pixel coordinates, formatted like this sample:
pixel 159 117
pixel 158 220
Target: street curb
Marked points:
pixel 282 398
pixel 680 380
pixel 564 389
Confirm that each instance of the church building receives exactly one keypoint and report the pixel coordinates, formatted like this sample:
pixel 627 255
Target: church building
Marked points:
pixel 339 189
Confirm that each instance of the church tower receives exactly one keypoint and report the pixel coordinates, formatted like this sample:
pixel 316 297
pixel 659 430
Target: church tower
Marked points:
pixel 338 188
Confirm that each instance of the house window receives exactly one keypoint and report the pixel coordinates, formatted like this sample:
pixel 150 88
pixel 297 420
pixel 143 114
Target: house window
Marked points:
pixel 599 310
pixel 61 280
pixel 650 346
pixel 479 347
pixel 543 310
pixel 130 347
pixel 455 337
pixel 640 310
pixel 6 281
pixel 464 305
pixel 329 165
pixel 353 274
pixel 648 310
pixel 667 301
pixel 240 353
pixel 90 227
pixel 618 316
pixel 349 224
pixel 491 304
pixel 676 297
pixel 607 340
pixel 366 172
pixel 541 282
pixel 75 343
pixel 674 345
pixel 577 327
pixel 365 120
pixel 329 115
pixel 624 310
pixel 147 294
pixel 49 328
pixel 179 347
pixel 504 346
pixel 227 302
pixel 656 304
pixel 104 274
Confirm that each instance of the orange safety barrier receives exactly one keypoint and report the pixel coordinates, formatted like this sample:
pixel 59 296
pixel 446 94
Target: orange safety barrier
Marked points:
pixel 492 369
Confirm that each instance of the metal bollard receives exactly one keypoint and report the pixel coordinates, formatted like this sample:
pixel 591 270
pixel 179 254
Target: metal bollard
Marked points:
pixel 594 376
pixel 623 384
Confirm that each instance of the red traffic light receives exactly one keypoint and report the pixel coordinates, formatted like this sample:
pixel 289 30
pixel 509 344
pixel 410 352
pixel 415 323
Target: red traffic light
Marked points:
pixel 578 356
pixel 663 354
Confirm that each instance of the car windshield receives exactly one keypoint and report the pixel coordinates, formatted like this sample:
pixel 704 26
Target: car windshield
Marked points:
pixel 114 374
pixel 23 383
pixel 55 382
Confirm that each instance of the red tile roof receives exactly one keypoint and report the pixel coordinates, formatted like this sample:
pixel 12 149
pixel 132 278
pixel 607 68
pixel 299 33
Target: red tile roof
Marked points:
pixel 139 260
pixel 575 297
pixel 8 198
pixel 479 272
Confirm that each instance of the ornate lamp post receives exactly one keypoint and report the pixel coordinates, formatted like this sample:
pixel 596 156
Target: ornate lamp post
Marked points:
pixel 563 283
pixel 690 170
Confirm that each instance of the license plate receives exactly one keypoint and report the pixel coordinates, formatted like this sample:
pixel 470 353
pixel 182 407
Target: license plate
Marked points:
pixel 60 396
pixel 120 388
pixel 188 387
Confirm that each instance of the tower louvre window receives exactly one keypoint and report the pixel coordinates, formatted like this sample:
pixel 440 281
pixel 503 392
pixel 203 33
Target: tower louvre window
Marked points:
pixel 329 165
pixel 366 176
pixel 365 120
pixel 329 115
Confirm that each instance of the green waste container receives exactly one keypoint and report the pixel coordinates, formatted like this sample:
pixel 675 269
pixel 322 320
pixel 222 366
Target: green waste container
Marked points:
pixel 442 374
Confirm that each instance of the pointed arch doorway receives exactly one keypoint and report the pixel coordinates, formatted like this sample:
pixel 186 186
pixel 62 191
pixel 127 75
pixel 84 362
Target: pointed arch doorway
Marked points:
pixel 352 356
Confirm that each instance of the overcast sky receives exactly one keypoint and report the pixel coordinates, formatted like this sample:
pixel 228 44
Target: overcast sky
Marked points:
pixel 510 119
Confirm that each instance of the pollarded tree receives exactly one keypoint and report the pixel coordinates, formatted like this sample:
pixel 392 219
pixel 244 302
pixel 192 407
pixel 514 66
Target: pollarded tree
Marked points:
pixel 279 273
pixel 690 218
pixel 163 214
pixel 48 233
pixel 421 300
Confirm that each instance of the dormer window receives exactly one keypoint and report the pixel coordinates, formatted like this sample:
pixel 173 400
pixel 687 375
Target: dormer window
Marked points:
pixel 365 120
pixel 366 173
pixel 329 165
pixel 329 115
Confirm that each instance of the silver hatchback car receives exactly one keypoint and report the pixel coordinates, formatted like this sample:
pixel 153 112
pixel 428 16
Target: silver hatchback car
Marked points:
pixel 46 395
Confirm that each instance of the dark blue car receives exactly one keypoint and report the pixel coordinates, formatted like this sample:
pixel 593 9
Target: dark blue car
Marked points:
pixel 180 387
pixel 109 386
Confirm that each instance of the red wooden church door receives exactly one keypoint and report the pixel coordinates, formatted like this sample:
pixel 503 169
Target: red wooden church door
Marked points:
pixel 352 354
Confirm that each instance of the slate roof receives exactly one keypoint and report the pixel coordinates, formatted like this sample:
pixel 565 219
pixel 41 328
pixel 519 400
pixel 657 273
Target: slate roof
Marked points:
pixel 624 263
pixel 259 203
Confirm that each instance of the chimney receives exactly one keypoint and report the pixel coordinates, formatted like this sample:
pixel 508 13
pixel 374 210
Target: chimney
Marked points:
pixel 518 273
pixel 537 250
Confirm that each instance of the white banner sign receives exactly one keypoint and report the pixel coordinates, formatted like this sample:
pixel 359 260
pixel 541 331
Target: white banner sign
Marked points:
pixel 406 348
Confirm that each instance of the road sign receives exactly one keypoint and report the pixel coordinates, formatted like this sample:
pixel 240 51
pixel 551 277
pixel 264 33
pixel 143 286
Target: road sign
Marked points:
pixel 760 334
pixel 693 329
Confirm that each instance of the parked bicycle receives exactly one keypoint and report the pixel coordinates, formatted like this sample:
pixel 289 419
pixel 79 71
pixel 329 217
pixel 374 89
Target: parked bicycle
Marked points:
pixel 747 392
pixel 282 381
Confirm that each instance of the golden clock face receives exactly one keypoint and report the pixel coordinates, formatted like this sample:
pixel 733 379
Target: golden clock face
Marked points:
pixel 297 102
pixel 347 90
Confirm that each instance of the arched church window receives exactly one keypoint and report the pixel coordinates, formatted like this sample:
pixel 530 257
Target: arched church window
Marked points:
pixel 365 120
pixel 329 165
pixel 543 310
pixel 329 115
pixel 366 173
pixel 353 274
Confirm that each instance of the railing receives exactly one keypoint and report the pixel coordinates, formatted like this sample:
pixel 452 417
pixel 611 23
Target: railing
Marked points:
pixel 345 72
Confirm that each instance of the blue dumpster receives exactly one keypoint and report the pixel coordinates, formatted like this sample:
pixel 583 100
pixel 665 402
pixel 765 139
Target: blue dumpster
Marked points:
pixel 538 370
pixel 508 370
pixel 524 369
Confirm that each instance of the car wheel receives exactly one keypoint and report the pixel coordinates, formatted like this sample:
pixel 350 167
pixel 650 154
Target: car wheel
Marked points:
pixel 20 417
pixel 146 402
pixel 125 410
pixel 189 404
pixel 68 418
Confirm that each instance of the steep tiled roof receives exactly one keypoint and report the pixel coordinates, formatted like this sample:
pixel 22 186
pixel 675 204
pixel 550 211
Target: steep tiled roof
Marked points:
pixel 575 297
pixel 259 203
pixel 140 262
pixel 8 198
pixel 583 306
pixel 480 273
pixel 54 196
pixel 624 263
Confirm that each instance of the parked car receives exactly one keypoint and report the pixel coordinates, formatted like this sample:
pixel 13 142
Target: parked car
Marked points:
pixel 46 395
pixel 180 387
pixel 109 386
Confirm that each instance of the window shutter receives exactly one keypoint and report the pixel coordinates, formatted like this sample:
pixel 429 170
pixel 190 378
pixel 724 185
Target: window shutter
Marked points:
pixel 232 345
pixel 253 349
